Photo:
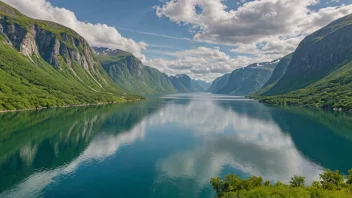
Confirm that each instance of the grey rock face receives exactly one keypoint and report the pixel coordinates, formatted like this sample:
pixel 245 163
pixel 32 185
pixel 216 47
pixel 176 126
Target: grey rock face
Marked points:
pixel 50 46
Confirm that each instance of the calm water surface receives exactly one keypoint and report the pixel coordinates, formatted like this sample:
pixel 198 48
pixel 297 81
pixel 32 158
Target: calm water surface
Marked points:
pixel 167 147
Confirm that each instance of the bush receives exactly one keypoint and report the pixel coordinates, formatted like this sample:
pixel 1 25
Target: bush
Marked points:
pixel 331 185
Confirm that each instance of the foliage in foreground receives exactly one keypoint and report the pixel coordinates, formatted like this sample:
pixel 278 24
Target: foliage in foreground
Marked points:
pixel 332 184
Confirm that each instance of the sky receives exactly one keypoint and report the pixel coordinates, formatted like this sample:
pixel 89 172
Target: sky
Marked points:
pixel 201 38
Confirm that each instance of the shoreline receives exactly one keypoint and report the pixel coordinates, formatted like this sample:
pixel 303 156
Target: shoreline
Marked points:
pixel 68 106
pixel 336 109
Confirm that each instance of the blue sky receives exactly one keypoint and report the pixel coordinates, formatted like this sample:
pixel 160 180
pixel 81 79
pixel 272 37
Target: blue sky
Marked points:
pixel 201 38
pixel 133 17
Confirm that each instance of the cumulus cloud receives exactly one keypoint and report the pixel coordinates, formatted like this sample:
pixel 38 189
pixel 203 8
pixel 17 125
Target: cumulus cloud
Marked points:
pixel 251 22
pixel 260 29
pixel 99 35
pixel 208 63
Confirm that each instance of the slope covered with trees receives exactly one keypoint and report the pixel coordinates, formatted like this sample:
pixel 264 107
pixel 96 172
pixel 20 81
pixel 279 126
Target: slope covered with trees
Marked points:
pixel 43 64
pixel 130 74
pixel 279 71
pixel 320 72
pixel 218 83
pixel 247 80
pixel 184 84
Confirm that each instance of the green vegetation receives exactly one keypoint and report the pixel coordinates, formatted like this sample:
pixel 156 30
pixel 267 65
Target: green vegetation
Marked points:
pixel 247 80
pixel 332 185
pixel 315 59
pixel 55 137
pixel 276 76
pixel 28 85
pixel 129 73
pixel 320 72
pixel 184 84
pixel 64 75
pixel 219 83
pixel 333 91
pixel 13 16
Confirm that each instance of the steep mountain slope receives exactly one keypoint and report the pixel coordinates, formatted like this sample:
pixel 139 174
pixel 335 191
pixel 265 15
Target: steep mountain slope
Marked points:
pixel 325 71
pixel 205 85
pixel 333 91
pixel 318 55
pixel 279 71
pixel 184 84
pixel 43 64
pixel 129 73
pixel 218 83
pixel 247 80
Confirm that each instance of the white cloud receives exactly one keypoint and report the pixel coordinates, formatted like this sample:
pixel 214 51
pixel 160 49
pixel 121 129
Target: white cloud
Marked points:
pixel 251 22
pixel 208 63
pixel 260 29
pixel 99 35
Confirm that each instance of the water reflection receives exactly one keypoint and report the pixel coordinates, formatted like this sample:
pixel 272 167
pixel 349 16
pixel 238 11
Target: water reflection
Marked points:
pixel 177 144
pixel 56 142
pixel 232 138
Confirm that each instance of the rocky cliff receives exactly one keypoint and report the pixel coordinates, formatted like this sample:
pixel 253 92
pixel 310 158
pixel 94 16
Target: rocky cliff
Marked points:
pixel 44 64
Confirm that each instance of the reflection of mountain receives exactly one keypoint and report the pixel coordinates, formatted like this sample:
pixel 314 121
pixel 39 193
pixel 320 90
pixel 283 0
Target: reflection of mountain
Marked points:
pixel 254 139
pixel 325 137
pixel 47 140
pixel 252 145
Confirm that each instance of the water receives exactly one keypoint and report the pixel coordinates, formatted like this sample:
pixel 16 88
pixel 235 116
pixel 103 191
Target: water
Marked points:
pixel 166 147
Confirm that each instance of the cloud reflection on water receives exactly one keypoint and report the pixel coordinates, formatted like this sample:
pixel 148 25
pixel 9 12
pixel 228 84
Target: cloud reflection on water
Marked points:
pixel 251 145
pixel 228 138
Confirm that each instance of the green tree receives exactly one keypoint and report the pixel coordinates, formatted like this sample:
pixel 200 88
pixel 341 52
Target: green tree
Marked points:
pixel 331 180
pixel 218 185
pixel 297 181
pixel 256 181
pixel 349 177
pixel 267 183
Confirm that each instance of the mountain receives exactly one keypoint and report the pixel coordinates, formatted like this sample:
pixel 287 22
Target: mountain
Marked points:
pixel 44 64
pixel 219 83
pixel 317 56
pixel 278 72
pixel 205 85
pixel 247 80
pixel 320 72
pixel 184 84
pixel 129 73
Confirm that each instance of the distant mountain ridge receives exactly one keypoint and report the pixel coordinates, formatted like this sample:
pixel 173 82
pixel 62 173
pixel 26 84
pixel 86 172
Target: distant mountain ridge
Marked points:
pixel 184 84
pixel 279 71
pixel 219 83
pixel 129 73
pixel 244 81
pixel 205 85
